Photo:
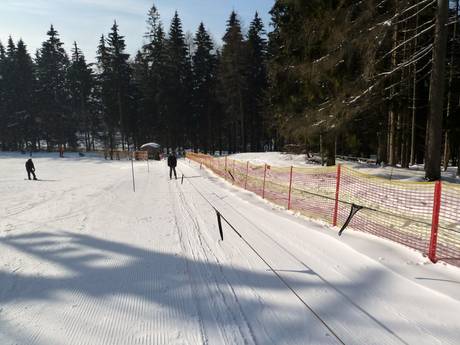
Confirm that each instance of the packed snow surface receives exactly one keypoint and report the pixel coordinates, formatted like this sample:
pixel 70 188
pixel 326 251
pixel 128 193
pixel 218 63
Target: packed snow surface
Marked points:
pixel 85 260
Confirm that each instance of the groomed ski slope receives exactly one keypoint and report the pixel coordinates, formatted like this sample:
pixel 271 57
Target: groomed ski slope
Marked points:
pixel 84 260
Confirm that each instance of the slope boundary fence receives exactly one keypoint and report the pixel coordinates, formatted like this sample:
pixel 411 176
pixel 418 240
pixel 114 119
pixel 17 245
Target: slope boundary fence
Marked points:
pixel 424 216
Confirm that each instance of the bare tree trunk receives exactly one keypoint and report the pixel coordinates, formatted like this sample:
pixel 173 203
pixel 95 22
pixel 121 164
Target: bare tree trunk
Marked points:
pixel 382 148
pixel 449 94
pixel 433 152
pixel 321 149
pixel 414 94
pixel 458 163
pixel 331 149
pixel 392 119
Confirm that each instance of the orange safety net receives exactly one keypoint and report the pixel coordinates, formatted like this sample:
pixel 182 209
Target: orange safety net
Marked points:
pixel 398 211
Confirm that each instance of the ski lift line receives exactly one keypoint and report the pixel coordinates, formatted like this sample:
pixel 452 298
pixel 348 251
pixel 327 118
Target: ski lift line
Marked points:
pixel 294 257
pixel 269 266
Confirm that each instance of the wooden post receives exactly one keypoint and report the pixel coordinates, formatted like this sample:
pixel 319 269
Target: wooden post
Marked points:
pixel 290 189
pixel 132 170
pixel 263 187
pixel 337 192
pixel 435 222
pixel 247 172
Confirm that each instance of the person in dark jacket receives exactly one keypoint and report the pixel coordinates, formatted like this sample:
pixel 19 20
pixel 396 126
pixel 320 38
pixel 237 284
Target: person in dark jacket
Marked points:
pixel 172 163
pixel 30 168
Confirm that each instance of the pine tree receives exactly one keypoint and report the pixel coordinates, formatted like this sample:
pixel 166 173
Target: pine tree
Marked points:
pixel 155 59
pixel 10 101
pixel 178 112
pixel 24 94
pixel 105 94
pixel 233 82
pixel 120 78
pixel 52 93
pixel 80 80
pixel 141 99
pixel 3 128
pixel 257 83
pixel 204 86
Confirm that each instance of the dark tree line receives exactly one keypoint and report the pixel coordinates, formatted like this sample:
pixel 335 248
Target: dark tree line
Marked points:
pixel 181 94
pixel 340 77
pixel 368 78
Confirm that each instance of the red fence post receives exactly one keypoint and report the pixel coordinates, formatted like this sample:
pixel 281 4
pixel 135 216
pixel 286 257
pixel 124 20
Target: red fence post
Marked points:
pixel 337 192
pixel 247 172
pixel 290 188
pixel 435 222
pixel 263 187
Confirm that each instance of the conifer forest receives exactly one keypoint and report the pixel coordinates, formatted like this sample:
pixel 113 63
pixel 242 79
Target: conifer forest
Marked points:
pixel 371 78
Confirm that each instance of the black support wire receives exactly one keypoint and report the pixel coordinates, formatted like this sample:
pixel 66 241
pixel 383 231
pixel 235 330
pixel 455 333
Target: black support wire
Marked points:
pixel 353 211
pixel 219 217
pixel 297 259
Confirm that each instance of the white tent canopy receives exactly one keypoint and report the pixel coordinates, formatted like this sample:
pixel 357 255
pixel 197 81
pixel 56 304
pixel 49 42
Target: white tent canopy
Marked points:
pixel 151 146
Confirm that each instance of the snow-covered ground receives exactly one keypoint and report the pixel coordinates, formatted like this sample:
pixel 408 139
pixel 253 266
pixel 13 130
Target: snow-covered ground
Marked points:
pixel 85 260
pixel 415 173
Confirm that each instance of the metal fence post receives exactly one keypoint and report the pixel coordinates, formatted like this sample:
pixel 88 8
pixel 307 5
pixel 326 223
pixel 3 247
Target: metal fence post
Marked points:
pixel 290 188
pixel 337 192
pixel 435 222
pixel 263 187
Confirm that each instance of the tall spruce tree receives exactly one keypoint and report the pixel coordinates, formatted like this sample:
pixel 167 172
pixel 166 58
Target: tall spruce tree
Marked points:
pixel 155 59
pixel 257 84
pixel 3 128
pixel 52 92
pixel 104 91
pixel 120 79
pixel 233 83
pixel 80 81
pixel 10 101
pixel 204 86
pixel 24 86
pixel 142 100
pixel 178 87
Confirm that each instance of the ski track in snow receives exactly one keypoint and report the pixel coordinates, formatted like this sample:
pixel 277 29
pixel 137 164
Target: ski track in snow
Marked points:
pixel 84 260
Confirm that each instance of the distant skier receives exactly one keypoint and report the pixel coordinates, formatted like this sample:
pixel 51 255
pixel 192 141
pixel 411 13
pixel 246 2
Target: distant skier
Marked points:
pixel 61 151
pixel 30 168
pixel 172 163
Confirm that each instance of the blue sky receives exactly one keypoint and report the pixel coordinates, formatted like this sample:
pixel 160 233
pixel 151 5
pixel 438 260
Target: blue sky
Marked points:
pixel 85 20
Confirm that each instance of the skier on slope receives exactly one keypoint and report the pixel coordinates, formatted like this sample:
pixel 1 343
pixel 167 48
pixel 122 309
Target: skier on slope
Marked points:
pixel 30 168
pixel 172 163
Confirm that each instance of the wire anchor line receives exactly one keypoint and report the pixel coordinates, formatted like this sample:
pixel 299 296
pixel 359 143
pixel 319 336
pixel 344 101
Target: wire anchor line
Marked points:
pixel 354 209
pixel 221 217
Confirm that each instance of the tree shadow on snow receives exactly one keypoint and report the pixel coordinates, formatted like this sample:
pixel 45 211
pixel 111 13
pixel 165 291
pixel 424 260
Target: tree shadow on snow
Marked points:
pixel 103 268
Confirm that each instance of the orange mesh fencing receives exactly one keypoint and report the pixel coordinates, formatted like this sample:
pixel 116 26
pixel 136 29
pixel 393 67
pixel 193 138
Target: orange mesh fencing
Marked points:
pixel 398 211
